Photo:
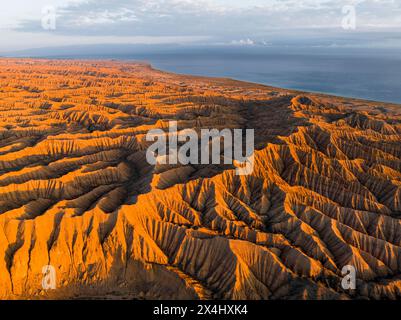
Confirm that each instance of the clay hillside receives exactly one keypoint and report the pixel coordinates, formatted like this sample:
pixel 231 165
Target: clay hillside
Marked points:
pixel 77 193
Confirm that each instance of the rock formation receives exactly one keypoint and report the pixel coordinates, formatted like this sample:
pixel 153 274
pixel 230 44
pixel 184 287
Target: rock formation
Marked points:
pixel 77 193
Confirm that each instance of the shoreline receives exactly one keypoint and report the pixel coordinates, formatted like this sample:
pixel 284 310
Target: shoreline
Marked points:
pixel 151 66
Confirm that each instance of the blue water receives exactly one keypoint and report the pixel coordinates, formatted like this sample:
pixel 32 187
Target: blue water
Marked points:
pixel 367 74
pixel 372 74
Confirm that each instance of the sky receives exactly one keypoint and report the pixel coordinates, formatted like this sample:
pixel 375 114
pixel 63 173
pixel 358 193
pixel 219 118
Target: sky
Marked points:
pixel 26 24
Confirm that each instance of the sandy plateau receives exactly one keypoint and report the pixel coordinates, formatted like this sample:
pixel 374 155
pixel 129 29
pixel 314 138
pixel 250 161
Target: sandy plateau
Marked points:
pixel 77 193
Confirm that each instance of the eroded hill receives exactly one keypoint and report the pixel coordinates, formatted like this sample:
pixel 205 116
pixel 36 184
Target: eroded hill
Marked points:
pixel 77 193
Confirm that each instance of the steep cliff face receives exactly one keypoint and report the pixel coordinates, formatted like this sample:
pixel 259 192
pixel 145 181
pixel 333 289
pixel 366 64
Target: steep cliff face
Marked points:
pixel 77 193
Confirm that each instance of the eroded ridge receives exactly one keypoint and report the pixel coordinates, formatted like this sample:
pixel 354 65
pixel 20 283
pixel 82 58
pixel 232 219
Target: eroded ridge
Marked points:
pixel 77 193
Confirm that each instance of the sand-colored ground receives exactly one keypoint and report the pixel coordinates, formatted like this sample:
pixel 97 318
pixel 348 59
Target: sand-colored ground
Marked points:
pixel 77 193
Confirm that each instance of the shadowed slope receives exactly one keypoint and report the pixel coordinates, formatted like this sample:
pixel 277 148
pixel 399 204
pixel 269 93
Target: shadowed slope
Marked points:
pixel 76 191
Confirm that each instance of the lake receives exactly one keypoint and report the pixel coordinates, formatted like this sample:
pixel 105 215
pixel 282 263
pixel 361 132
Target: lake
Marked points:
pixel 372 74
pixel 369 74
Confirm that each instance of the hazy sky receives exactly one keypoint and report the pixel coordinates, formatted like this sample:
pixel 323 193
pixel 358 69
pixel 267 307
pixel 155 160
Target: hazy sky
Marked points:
pixel 247 22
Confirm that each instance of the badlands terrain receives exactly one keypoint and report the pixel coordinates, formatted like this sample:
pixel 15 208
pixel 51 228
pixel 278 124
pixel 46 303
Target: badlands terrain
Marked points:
pixel 77 193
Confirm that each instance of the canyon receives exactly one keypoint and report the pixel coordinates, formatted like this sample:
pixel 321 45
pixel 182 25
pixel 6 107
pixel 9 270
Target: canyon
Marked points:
pixel 77 193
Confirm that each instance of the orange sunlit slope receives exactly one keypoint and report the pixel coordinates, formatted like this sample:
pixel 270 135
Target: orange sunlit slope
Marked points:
pixel 77 193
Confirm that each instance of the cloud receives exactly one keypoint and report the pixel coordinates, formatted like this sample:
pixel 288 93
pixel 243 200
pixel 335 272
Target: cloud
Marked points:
pixel 243 42
pixel 259 20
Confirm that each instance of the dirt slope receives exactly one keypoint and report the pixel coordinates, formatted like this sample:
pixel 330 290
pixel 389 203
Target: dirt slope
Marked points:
pixel 77 193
